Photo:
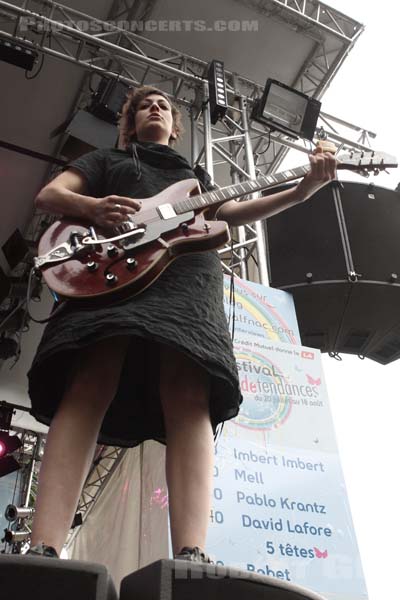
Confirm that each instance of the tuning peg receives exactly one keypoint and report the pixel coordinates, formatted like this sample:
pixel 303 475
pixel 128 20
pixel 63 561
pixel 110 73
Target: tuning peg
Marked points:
pixel 376 171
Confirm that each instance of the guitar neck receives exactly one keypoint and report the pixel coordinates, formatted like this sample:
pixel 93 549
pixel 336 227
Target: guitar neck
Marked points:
pixel 239 189
pixel 361 163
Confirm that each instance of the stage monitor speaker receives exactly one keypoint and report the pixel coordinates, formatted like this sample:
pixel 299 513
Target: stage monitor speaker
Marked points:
pixel 180 580
pixel 40 578
pixel 339 255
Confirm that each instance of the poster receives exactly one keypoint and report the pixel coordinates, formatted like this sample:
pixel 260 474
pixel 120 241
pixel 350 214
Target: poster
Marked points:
pixel 279 500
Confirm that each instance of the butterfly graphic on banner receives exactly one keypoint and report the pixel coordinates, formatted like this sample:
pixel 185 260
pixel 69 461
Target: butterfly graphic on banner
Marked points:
pixel 313 381
pixel 320 554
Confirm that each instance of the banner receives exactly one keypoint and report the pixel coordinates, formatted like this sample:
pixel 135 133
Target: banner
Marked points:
pixel 280 506
pixel 261 314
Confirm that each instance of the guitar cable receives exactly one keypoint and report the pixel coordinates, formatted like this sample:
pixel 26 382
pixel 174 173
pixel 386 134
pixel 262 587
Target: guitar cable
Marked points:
pixel 57 307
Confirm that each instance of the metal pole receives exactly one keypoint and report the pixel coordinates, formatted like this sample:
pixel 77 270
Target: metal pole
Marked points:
pixel 194 141
pixel 241 230
pixel 31 471
pixel 250 167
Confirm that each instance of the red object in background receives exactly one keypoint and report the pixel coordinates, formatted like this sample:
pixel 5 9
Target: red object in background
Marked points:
pixel 2 449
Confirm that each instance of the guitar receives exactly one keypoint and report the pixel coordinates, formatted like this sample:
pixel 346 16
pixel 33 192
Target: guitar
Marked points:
pixel 79 261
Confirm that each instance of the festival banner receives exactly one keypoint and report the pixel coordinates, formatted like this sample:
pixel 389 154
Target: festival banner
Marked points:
pixel 280 506
pixel 260 314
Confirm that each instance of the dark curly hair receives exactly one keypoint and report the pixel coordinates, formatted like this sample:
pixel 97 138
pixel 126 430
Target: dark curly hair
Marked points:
pixel 129 109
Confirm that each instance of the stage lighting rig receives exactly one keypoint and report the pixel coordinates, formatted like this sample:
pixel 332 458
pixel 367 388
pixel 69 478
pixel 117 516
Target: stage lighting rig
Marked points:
pixel 13 512
pixel 17 54
pixel 217 90
pixel 16 537
pixel 287 110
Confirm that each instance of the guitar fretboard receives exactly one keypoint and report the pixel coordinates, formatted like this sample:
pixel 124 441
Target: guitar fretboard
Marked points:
pixel 238 190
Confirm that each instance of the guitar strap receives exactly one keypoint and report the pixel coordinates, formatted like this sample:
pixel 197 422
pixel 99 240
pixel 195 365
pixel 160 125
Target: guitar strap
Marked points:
pixel 204 179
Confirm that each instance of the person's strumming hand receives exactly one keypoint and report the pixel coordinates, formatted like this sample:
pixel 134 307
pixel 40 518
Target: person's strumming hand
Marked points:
pixel 113 210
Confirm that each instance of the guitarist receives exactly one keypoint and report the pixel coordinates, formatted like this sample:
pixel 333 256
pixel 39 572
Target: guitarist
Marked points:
pixel 157 366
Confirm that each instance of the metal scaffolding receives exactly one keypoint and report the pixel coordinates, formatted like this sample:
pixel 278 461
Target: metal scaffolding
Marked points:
pixel 106 460
pixel 111 51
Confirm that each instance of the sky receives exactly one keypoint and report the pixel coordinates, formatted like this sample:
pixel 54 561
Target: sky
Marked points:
pixel 365 396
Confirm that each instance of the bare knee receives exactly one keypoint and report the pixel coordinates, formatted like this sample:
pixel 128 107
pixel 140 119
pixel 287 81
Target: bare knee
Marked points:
pixel 184 386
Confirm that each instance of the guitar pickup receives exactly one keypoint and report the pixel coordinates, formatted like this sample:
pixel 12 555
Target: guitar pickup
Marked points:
pixel 166 211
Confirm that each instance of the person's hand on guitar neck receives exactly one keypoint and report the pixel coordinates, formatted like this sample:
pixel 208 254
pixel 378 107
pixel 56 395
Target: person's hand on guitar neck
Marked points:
pixel 322 169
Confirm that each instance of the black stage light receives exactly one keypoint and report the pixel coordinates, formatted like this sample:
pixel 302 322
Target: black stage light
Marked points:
pixel 287 110
pixel 17 55
pixel 217 90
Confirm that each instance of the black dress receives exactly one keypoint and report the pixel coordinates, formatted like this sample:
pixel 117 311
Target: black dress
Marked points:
pixel 183 308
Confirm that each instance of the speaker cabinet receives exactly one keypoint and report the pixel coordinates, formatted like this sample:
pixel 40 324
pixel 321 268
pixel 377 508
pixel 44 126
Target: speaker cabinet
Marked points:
pixel 339 255
pixel 181 580
pixel 40 578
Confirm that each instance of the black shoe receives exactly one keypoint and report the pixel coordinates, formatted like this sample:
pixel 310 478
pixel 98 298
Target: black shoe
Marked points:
pixel 42 550
pixel 194 554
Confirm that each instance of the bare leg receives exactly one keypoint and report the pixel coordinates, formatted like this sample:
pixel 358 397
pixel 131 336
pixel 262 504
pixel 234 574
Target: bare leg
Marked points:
pixel 71 440
pixel 184 388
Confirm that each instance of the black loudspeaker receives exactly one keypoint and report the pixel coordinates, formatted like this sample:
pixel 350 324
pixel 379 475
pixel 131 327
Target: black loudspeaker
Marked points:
pixel 39 578
pixel 182 580
pixel 108 100
pixel 339 255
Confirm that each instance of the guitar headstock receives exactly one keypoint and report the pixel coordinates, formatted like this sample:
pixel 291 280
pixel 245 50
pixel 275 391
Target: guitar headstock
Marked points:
pixel 365 162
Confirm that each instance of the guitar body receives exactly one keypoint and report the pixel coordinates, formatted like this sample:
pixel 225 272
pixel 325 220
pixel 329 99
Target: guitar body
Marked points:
pixel 137 260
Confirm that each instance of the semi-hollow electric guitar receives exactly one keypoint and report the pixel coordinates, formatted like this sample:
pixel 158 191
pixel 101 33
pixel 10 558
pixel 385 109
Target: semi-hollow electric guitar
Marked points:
pixel 80 261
